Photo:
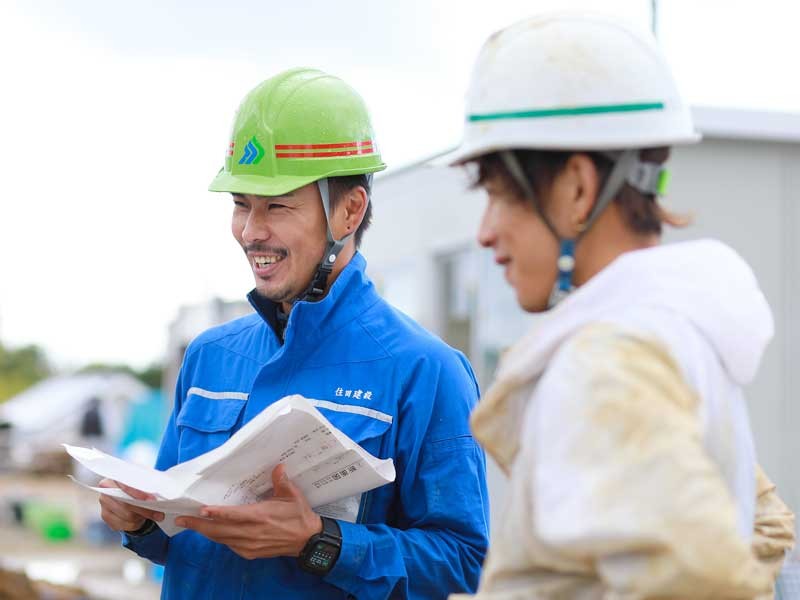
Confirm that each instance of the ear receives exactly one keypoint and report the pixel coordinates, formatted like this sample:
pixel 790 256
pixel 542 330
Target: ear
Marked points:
pixel 576 188
pixel 349 212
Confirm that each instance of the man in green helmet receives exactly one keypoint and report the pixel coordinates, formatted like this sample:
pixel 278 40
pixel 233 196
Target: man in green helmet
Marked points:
pixel 299 168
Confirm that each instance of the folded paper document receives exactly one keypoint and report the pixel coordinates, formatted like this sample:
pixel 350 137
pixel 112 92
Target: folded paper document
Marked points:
pixel 328 467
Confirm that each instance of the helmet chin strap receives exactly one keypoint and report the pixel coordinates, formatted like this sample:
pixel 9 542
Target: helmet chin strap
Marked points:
pixel 319 283
pixel 648 178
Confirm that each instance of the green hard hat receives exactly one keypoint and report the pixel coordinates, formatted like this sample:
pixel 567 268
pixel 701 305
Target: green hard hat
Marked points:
pixel 296 128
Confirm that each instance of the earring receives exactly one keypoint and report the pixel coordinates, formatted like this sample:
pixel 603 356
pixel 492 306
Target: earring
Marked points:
pixel 580 227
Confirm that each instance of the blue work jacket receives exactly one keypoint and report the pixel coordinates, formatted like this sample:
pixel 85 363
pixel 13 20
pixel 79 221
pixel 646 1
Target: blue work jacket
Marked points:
pixel 394 388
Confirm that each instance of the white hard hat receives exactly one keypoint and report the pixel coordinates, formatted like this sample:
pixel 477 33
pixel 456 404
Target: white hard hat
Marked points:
pixel 571 81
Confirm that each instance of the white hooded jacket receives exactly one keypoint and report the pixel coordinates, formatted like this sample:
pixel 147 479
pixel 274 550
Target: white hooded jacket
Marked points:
pixel 623 426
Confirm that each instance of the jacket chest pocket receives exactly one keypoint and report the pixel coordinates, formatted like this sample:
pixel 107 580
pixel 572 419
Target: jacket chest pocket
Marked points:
pixel 365 427
pixel 370 430
pixel 205 424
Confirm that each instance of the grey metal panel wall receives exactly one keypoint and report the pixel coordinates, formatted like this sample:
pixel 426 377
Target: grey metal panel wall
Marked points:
pixel 788 456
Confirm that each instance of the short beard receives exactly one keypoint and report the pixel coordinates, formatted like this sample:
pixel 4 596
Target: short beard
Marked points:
pixel 280 296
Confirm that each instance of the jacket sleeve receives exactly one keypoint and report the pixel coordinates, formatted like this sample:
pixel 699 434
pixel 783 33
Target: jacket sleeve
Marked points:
pixel 438 535
pixel 623 481
pixel 154 546
pixel 774 527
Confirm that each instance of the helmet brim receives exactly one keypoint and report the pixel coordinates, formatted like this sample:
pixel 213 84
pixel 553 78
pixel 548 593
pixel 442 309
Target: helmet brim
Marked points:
pixel 278 185
pixel 472 149
pixel 257 185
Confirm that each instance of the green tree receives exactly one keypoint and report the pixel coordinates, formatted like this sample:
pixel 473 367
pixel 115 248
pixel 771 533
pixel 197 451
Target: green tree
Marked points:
pixel 151 376
pixel 20 368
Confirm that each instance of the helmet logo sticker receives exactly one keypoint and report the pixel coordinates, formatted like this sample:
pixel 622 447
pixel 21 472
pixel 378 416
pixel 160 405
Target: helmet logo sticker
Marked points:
pixel 253 153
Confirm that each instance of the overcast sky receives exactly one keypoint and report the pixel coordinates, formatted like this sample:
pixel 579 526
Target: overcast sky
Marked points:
pixel 115 115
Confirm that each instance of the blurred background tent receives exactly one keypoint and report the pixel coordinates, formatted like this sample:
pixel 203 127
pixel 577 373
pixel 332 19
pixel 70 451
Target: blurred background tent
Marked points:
pixel 74 409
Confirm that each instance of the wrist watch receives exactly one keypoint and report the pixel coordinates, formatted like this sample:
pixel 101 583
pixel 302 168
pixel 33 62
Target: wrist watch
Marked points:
pixel 322 549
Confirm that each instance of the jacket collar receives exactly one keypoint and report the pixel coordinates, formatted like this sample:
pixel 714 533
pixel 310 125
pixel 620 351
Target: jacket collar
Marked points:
pixel 309 322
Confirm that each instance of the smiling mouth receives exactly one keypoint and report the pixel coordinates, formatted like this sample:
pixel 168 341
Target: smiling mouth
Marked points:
pixel 266 260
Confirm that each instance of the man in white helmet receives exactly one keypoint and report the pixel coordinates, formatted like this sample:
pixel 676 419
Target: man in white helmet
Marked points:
pixel 620 419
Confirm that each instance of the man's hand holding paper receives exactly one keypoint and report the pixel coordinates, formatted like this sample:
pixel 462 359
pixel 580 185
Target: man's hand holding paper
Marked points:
pixel 121 516
pixel 324 464
pixel 278 526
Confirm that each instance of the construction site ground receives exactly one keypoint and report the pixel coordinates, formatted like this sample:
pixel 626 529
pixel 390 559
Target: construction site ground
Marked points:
pixel 102 570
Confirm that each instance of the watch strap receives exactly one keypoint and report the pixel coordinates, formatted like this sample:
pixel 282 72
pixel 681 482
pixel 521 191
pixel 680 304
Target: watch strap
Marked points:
pixel 330 527
pixel 147 528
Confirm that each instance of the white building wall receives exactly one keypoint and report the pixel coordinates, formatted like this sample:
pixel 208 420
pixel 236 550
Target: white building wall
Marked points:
pixel 742 191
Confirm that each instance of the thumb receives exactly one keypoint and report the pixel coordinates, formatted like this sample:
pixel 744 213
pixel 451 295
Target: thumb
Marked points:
pixel 282 486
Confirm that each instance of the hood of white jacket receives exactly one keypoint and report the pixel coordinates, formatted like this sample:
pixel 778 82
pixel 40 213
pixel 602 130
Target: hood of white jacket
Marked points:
pixel 704 281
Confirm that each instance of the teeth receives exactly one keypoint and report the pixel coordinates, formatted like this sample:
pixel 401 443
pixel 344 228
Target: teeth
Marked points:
pixel 266 260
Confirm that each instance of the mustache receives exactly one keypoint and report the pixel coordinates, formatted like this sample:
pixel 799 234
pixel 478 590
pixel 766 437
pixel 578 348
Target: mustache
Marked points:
pixel 265 249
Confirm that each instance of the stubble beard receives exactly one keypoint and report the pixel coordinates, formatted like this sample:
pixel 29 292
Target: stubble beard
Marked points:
pixel 283 294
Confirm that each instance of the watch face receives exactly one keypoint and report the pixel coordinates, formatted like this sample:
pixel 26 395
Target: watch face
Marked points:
pixel 322 556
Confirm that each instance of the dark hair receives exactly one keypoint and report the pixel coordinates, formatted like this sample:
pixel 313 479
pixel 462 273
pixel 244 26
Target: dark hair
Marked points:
pixel 642 211
pixel 339 186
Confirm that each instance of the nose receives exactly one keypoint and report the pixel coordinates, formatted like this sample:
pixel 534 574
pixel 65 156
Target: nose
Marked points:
pixel 256 227
pixel 487 235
